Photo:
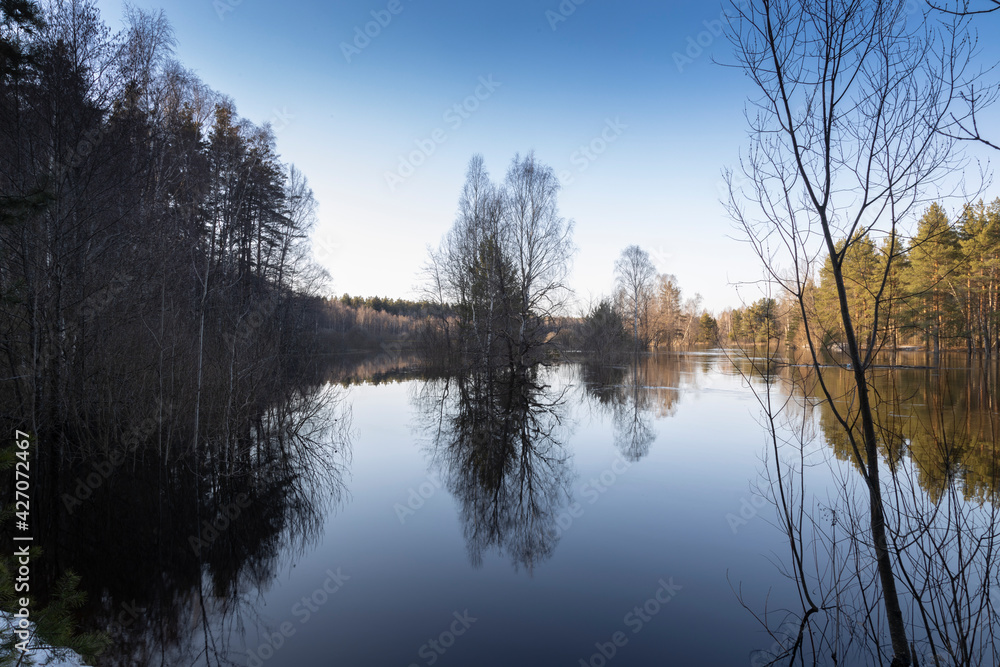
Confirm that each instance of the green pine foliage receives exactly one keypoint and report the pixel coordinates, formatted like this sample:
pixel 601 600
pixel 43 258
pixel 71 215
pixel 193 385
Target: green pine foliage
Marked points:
pixel 942 290
pixel 380 304
pixel 708 329
pixel 936 266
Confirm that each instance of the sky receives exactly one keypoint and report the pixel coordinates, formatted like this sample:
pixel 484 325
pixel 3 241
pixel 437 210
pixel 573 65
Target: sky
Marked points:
pixel 381 103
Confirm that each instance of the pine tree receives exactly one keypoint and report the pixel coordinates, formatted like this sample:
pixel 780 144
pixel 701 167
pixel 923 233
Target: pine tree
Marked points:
pixel 931 279
pixel 980 244
pixel 863 269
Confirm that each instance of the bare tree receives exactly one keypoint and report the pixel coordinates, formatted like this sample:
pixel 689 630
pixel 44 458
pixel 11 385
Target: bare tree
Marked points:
pixel 504 262
pixel 476 268
pixel 968 7
pixel 965 124
pixel 541 247
pixel 634 275
pixel 847 129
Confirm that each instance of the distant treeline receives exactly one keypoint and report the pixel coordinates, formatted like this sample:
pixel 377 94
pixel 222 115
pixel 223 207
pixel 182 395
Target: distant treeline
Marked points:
pixel 378 323
pixel 646 311
pixel 392 306
pixel 943 290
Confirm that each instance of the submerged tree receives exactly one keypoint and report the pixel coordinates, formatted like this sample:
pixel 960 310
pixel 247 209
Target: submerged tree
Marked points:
pixel 504 263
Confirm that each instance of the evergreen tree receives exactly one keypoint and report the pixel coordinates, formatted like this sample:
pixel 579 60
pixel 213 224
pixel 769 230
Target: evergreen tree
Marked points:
pixel 932 277
pixel 979 281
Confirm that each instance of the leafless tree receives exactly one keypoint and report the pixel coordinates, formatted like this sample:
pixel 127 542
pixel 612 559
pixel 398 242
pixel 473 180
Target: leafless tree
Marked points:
pixel 968 7
pixel 634 275
pixel 965 123
pixel 847 139
pixel 541 247
pixel 504 262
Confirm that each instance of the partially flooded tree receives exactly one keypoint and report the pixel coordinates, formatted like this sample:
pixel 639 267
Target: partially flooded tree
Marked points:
pixel 540 248
pixel 634 275
pixel 847 127
pixel 504 263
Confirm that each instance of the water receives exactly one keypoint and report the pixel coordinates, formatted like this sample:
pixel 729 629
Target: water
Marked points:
pixel 589 517
pixel 612 526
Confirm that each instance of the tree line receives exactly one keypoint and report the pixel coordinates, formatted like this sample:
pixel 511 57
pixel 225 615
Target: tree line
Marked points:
pixel 354 323
pixel 937 289
pixel 381 304
pixel 159 301
pixel 647 310
pixel 154 244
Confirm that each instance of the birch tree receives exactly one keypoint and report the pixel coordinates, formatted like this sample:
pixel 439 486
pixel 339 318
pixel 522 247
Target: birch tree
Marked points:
pixel 634 275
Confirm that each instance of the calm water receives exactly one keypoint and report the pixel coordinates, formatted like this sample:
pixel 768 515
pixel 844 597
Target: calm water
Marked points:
pixel 629 484
pixel 593 516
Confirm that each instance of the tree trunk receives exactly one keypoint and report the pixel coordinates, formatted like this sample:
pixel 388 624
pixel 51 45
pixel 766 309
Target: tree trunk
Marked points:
pixel 894 614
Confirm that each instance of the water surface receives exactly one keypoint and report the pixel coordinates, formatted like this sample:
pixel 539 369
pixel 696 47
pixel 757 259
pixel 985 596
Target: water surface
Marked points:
pixel 582 516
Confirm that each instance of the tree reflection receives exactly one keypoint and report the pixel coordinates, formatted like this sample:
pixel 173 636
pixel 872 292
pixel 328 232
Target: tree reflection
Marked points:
pixel 937 434
pixel 633 395
pixel 498 445
pixel 176 563
pixel 943 422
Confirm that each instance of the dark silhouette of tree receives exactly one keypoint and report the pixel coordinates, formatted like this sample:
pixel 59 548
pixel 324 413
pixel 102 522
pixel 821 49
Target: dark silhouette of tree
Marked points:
pixel 498 443
pixel 847 128
pixel 504 263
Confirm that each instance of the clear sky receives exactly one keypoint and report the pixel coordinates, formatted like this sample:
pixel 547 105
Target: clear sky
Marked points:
pixel 633 81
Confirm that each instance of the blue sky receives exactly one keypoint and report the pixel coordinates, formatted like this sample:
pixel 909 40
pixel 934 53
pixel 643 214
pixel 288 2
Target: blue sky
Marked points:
pixel 632 81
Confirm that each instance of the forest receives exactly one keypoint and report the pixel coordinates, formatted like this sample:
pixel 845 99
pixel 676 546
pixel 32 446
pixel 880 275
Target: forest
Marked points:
pixel 165 326
pixel 160 304
pixel 941 291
